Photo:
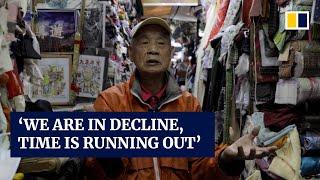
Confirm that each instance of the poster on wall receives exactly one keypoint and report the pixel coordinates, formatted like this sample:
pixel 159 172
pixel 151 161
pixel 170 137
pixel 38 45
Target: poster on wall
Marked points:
pixel 170 2
pixel 55 30
pixel 90 75
pixel 55 86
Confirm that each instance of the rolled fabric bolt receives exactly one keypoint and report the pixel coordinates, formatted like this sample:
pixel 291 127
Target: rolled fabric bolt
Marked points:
pixel 307 64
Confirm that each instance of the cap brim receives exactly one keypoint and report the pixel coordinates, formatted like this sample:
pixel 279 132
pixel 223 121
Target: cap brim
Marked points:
pixel 151 21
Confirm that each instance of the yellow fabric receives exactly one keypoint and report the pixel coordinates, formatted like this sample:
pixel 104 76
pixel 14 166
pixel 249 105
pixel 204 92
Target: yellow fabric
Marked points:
pixel 255 176
pixel 280 142
pixel 18 176
pixel 287 162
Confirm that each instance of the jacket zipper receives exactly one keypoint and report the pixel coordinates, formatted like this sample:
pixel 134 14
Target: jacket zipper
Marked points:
pixel 155 159
pixel 141 99
pixel 156 168
pixel 168 101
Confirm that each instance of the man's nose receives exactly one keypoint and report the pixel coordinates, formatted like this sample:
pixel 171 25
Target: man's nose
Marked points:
pixel 153 49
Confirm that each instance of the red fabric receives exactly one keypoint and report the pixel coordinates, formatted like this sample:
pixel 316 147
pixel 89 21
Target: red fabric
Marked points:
pixel 13 86
pixel 245 12
pixel 221 15
pixel 15 70
pixel 152 99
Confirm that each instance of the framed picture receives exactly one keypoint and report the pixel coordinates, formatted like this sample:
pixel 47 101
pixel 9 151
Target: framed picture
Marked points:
pixel 55 86
pixel 90 75
pixel 55 30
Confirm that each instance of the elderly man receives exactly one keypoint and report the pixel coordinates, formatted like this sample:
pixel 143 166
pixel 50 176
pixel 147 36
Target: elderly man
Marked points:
pixel 152 88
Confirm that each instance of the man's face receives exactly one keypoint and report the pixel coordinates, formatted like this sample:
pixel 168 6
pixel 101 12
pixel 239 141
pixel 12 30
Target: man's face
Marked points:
pixel 151 50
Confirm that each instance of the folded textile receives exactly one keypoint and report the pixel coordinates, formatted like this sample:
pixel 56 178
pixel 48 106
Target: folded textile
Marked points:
pixel 264 164
pixel 278 118
pixel 297 90
pixel 310 166
pixel 266 61
pixel 310 142
pixel 287 162
pixel 256 175
pixel 265 92
pixel 286 92
pixel 258 62
pixel 280 39
pixel 307 64
pixel 265 136
pixel 270 70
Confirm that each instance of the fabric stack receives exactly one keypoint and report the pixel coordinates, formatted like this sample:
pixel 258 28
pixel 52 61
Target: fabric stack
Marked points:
pixel 255 73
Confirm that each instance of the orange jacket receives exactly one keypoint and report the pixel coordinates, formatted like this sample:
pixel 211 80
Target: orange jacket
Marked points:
pixel 124 97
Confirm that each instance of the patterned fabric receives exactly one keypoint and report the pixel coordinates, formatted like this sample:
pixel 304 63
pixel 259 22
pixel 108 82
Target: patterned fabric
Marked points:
pixel 245 12
pixel 285 69
pixel 233 10
pixel 316 12
pixel 307 64
pixel 265 92
pixel 273 21
pixel 220 17
pixel 286 92
pixel 309 88
pixel 258 63
pixel 304 2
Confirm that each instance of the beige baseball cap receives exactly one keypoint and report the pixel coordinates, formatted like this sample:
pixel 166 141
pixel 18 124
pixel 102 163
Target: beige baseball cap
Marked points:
pixel 149 21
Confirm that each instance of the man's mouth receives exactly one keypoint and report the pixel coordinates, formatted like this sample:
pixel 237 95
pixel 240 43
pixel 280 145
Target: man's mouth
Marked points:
pixel 153 62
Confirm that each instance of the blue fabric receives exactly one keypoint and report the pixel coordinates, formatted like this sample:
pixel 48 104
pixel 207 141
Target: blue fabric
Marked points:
pixel 311 143
pixel 310 166
pixel 265 136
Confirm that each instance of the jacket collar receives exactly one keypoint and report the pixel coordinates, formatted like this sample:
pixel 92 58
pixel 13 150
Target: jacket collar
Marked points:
pixel 172 91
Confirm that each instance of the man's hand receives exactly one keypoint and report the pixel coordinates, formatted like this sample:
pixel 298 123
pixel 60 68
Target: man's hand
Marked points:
pixel 244 149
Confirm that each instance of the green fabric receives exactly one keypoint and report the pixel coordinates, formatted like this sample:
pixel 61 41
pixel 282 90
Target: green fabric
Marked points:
pixel 280 39
pixel 229 99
